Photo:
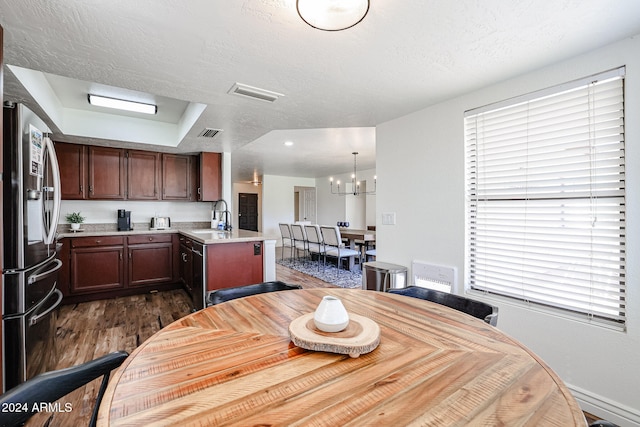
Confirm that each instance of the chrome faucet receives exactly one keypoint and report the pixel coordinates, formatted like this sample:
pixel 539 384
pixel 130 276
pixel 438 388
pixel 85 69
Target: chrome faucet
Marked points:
pixel 227 222
pixel 225 212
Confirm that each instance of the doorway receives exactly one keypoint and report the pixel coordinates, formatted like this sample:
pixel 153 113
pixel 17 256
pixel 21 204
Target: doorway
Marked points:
pixel 248 211
pixel 305 204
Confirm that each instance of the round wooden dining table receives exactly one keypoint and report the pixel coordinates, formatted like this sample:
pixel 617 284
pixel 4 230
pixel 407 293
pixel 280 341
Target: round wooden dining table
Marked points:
pixel 234 364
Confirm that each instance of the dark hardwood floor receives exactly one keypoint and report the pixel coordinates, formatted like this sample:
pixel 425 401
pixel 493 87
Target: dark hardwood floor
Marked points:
pixel 89 330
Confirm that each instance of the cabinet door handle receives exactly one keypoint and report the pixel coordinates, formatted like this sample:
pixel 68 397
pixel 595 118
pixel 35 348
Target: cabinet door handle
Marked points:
pixel 98 242
pixel 184 257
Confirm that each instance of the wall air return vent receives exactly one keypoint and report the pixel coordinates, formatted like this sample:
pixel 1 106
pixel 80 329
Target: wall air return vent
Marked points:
pixel 254 92
pixel 209 133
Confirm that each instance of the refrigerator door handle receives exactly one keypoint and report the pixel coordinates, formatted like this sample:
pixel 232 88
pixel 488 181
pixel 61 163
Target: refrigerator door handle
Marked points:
pixel 50 233
pixel 33 320
pixel 36 277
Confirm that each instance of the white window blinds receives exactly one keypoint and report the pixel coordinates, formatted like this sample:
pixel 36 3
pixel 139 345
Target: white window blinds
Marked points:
pixel 545 180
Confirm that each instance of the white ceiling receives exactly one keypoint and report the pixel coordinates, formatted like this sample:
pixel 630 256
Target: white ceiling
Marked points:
pixel 404 56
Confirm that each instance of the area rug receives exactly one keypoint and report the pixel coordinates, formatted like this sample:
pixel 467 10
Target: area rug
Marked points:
pixel 346 278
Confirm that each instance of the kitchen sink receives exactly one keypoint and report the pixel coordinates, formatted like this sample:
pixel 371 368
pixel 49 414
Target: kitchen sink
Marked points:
pixel 212 231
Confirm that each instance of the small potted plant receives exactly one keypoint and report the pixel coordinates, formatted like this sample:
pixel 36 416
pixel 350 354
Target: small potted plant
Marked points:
pixel 75 219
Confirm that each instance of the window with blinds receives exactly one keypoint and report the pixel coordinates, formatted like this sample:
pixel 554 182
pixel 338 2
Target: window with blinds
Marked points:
pixel 545 198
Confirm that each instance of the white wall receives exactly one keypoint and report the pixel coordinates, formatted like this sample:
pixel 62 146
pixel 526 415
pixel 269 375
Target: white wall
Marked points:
pixel 333 208
pixel 278 201
pixel 422 153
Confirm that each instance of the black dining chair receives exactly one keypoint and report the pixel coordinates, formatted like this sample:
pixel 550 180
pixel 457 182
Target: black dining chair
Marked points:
pixel 51 386
pixel 603 423
pixel 227 294
pixel 478 309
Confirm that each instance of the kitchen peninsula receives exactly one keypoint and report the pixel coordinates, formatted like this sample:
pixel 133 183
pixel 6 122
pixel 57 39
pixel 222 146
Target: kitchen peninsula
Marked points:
pixel 103 263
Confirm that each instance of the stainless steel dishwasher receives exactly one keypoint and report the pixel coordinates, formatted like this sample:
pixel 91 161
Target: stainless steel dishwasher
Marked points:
pixel 197 249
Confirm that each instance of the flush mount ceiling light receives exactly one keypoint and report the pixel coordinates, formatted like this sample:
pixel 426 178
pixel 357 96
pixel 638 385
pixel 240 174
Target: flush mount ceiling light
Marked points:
pixel 121 104
pixel 332 15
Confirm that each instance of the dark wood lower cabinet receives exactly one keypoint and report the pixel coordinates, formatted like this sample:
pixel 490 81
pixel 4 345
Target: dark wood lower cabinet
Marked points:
pixel 150 260
pixel 96 264
pixel 119 265
pixel 186 264
pixel 112 266
pixel 99 268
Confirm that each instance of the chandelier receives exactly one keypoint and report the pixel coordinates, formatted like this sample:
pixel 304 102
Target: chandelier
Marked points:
pixel 332 15
pixel 355 184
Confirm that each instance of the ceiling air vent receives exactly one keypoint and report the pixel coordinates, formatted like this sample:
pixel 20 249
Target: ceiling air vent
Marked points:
pixel 209 133
pixel 254 92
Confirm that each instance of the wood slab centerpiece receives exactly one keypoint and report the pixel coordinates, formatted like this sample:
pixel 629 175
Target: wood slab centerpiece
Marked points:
pixel 332 330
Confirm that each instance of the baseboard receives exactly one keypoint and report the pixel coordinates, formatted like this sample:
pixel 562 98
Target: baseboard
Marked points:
pixel 605 408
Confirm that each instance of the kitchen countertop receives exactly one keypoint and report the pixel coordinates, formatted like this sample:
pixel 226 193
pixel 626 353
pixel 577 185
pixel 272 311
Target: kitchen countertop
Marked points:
pixel 210 236
pixel 203 235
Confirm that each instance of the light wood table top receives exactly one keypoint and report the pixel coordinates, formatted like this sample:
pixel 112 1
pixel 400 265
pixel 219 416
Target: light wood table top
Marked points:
pixel 234 364
pixel 354 234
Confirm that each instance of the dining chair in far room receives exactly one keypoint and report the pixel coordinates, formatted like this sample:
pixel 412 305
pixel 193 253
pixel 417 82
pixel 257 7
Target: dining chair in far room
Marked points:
pixel 371 253
pixel 299 239
pixel 287 238
pixel 478 309
pixel 51 386
pixel 227 294
pixel 334 246
pixel 315 244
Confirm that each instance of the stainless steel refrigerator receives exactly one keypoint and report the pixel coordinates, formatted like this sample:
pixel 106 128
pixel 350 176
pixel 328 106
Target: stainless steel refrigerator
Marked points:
pixel 31 208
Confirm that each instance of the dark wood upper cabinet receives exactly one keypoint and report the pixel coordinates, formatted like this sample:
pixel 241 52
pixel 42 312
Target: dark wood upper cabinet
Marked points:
pixel 143 175
pixel 73 170
pixel 107 173
pixel 176 177
pixel 210 188
pixel 194 170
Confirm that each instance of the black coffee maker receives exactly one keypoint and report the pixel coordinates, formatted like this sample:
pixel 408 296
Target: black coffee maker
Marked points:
pixel 124 220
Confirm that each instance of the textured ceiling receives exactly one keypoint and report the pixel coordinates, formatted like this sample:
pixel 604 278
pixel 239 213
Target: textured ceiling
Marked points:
pixel 404 56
